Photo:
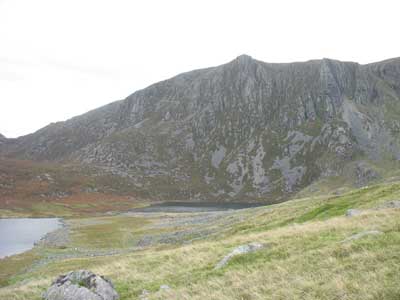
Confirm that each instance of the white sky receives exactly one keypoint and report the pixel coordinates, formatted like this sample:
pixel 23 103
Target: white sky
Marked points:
pixel 60 58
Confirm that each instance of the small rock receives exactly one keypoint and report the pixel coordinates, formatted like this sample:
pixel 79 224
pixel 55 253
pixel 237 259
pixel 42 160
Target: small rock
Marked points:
pixel 391 204
pixel 144 295
pixel 164 287
pixel 353 212
pixel 360 235
pixel 81 285
pixel 243 249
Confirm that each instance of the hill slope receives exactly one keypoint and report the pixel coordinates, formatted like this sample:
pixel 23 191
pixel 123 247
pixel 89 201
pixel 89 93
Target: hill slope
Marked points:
pixel 245 130
pixel 311 252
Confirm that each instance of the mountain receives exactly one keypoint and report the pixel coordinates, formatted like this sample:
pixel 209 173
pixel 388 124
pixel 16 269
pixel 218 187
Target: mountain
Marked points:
pixel 2 138
pixel 243 131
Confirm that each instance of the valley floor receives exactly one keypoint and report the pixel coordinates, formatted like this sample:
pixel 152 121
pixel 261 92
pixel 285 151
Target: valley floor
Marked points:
pixel 308 252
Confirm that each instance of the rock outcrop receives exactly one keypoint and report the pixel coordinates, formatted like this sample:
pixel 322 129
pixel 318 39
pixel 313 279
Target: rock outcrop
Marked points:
pixel 391 204
pixel 243 249
pixel 362 234
pixel 81 285
pixel 365 174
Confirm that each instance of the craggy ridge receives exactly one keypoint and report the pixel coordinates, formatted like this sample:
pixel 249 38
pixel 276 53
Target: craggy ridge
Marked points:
pixel 246 130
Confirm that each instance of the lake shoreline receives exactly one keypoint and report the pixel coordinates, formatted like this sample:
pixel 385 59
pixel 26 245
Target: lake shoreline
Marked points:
pixel 58 238
pixel 188 207
pixel 20 235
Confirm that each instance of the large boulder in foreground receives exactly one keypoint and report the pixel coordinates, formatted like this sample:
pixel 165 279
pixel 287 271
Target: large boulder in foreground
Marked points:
pixel 81 285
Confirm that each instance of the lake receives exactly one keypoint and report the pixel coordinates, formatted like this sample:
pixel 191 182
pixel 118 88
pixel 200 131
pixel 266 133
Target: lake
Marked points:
pixel 19 235
pixel 187 207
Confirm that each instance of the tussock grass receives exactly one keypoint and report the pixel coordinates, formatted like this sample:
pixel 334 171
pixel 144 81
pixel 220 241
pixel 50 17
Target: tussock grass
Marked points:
pixel 305 257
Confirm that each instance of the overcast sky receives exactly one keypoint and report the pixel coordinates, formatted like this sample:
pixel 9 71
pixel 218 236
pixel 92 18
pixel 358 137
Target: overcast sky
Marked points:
pixel 61 58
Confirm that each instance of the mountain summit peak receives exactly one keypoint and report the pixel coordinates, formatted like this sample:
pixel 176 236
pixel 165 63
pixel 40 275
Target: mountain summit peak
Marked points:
pixel 242 62
pixel 244 58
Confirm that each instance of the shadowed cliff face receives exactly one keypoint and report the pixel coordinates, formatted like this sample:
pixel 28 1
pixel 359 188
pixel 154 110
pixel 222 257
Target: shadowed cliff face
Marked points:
pixel 245 130
pixel 3 139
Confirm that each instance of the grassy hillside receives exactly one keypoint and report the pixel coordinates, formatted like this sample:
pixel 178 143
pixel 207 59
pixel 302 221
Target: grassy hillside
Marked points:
pixel 29 188
pixel 305 254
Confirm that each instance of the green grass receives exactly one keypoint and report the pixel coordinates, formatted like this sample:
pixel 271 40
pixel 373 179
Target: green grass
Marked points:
pixel 304 257
pixel 107 232
pixel 15 264
pixel 324 212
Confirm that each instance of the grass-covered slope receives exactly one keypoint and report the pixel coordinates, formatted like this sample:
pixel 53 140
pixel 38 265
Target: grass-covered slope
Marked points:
pixel 305 256
pixel 45 189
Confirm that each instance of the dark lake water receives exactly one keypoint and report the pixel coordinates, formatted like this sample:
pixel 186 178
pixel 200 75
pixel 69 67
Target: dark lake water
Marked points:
pixel 194 207
pixel 19 235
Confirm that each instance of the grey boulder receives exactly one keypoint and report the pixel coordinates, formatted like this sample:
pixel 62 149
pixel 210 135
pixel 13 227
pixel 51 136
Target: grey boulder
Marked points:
pixel 81 285
pixel 391 204
pixel 362 234
pixel 243 249
pixel 352 212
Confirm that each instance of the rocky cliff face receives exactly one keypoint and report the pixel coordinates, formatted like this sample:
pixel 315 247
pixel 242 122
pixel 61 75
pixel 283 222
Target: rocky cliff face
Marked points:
pixel 246 130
